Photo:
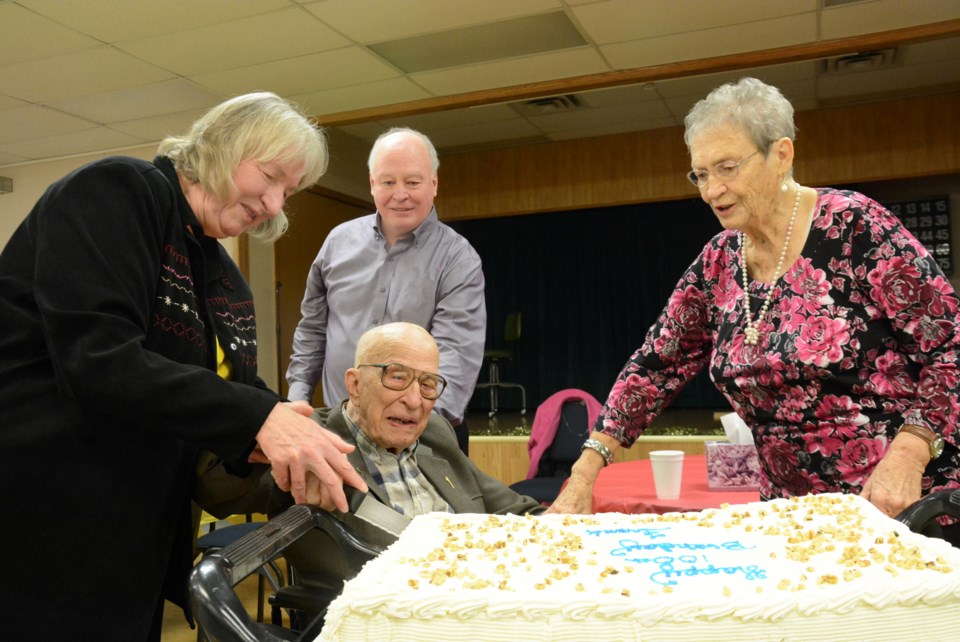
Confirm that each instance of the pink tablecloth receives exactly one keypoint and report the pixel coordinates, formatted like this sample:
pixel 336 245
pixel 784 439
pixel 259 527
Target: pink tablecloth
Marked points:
pixel 628 488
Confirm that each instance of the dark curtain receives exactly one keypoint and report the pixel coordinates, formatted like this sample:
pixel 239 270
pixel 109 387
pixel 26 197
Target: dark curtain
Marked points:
pixel 589 284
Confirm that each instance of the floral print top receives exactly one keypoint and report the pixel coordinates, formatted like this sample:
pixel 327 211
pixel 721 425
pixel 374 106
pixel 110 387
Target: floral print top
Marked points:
pixel 861 336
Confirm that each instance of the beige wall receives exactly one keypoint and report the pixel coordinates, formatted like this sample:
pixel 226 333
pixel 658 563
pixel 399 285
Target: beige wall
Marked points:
pixel 30 180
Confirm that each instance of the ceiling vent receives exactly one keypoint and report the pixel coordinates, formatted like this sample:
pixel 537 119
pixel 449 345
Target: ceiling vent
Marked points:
pixel 548 105
pixel 864 61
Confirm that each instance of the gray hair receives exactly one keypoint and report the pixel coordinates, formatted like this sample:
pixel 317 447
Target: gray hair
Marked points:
pixel 758 109
pixel 375 150
pixel 259 126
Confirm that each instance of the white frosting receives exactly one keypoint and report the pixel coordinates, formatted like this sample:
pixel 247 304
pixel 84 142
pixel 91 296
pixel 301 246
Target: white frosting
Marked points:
pixel 814 568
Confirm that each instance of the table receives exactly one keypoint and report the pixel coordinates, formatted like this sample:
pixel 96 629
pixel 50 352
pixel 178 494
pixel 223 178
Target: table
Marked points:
pixel 628 488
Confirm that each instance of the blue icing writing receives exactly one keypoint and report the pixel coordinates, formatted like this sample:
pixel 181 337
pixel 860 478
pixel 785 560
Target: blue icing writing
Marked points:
pixel 652 533
pixel 630 545
pixel 674 560
pixel 672 568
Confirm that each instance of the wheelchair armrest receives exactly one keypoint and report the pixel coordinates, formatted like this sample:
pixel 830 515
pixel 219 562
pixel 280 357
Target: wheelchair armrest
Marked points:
pixel 212 596
pixel 215 603
pixel 920 515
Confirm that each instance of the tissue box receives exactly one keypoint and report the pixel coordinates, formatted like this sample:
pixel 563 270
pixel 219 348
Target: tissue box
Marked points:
pixel 732 466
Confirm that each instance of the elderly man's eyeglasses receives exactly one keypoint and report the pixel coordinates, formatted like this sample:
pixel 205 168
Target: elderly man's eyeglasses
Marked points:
pixel 725 171
pixel 397 376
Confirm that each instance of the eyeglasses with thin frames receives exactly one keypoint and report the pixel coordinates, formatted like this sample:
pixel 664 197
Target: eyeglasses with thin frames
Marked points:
pixel 396 376
pixel 723 172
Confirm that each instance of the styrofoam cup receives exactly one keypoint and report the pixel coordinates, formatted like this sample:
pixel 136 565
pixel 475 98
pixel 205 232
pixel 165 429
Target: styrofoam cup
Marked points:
pixel 667 472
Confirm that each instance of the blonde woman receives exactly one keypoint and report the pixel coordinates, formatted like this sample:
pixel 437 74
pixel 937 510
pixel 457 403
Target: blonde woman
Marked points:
pixel 128 345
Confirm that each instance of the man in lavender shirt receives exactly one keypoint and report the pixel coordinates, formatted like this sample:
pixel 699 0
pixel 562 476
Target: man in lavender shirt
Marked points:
pixel 398 264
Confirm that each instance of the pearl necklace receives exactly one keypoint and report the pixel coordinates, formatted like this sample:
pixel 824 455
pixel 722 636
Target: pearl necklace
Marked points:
pixel 752 332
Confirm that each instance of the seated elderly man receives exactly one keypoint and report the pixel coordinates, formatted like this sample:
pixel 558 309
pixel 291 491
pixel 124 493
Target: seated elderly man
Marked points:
pixel 407 454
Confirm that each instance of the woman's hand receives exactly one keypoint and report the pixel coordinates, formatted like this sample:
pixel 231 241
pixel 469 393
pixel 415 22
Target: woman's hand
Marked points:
pixel 307 460
pixel 577 495
pixel 896 480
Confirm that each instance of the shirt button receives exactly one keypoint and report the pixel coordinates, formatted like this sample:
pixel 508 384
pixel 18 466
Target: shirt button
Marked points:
pixel 233 346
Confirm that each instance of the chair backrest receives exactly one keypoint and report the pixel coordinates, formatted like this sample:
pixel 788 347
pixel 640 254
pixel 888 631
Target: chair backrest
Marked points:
pixel 572 431
pixel 512 327
pixel 215 602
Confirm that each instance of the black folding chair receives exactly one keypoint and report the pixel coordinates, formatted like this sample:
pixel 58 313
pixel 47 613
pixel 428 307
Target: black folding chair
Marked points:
pixel 218 609
pixel 557 461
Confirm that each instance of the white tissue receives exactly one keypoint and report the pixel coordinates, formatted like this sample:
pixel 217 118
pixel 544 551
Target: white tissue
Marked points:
pixel 737 431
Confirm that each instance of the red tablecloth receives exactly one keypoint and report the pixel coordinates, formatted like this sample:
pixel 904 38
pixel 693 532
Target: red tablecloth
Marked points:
pixel 628 488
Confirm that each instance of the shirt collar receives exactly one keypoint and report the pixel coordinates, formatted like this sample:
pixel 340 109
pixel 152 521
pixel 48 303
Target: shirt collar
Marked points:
pixel 372 451
pixel 421 232
pixel 187 216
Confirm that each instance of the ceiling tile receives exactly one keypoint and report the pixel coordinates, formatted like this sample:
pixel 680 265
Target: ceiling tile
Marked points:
pixel 138 102
pixel 625 20
pixel 890 79
pixel 924 52
pixel 239 43
pixel 87 140
pixel 303 74
pixel 27 36
pixel 384 92
pixel 471 117
pixel 586 118
pixel 368 21
pixel 780 32
pixel 680 106
pixel 367 131
pixel 33 121
pixel 521 36
pixel 700 86
pixel 626 95
pixel 463 136
pixel 607 129
pixel 11 159
pixel 90 71
pixel 561 64
pixel 802 94
pixel 9 102
pixel 159 127
pixel 884 15
pixel 115 20
pixel 797 82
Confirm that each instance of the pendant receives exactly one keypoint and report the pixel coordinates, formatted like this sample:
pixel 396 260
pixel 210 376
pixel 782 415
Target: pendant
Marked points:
pixel 752 336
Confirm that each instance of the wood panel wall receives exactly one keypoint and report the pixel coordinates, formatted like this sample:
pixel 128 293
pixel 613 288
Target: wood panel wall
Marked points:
pixel 315 213
pixel 877 141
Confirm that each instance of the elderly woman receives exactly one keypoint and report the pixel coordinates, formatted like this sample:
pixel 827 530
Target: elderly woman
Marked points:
pixel 828 327
pixel 128 345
